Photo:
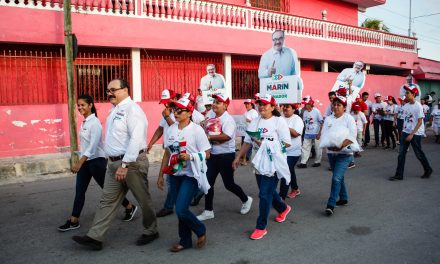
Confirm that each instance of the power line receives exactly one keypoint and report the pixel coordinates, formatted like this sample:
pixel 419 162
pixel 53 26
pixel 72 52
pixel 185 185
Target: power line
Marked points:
pixel 401 15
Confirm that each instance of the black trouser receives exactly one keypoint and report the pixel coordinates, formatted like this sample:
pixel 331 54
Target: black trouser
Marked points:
pixel 222 163
pixel 92 168
pixel 389 129
pixel 367 132
pixel 378 124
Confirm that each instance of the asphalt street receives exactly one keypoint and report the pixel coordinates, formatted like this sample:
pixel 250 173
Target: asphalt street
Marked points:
pixel 385 222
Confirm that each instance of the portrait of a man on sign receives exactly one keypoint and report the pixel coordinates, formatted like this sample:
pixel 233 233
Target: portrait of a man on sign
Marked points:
pixel 352 79
pixel 279 71
pixel 212 83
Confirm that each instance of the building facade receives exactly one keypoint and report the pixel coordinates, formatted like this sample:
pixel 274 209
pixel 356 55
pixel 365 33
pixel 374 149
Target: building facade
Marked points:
pixel 158 44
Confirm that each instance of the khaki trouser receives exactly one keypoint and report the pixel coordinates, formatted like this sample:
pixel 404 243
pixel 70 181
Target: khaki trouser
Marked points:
pixel 114 191
pixel 307 148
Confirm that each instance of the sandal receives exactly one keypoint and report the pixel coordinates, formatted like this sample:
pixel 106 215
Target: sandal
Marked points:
pixel 177 248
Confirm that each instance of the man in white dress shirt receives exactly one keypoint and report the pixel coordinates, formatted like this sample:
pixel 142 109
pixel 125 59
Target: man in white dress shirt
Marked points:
pixel 353 75
pixel 127 168
pixel 212 80
pixel 278 59
pixel 410 85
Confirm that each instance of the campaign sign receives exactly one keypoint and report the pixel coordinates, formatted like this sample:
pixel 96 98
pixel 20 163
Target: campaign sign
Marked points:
pixel 207 95
pixel 285 89
pixel 340 84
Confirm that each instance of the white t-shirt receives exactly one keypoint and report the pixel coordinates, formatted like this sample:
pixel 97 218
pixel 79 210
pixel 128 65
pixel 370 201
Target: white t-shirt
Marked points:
pixel 228 128
pixel 274 128
pixel 164 124
pixel 297 124
pixel 360 120
pixel 399 111
pixel 375 107
pixel 390 110
pixel 435 117
pixel 196 141
pixel 425 109
pixel 345 120
pixel 197 117
pixel 200 104
pixel 328 110
pixel 312 121
pixel 251 115
pixel 210 114
pixel 412 113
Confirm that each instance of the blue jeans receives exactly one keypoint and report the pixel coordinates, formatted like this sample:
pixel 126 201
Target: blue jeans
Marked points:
pixel 378 124
pixel 284 188
pixel 95 168
pixel 339 164
pixel 184 188
pixel 400 126
pixel 417 146
pixel 268 196
pixel 170 199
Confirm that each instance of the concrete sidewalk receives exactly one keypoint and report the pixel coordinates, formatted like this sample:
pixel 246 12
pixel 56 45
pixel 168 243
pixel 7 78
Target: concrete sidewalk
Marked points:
pixel 385 222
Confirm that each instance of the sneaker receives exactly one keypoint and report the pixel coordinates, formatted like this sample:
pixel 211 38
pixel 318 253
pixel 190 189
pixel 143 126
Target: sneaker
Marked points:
pixel 301 166
pixel 427 174
pixel 88 242
pixel 282 216
pixel 395 178
pixel 329 210
pixel 316 165
pixel 68 226
pixel 164 212
pixel 246 206
pixel 294 193
pixel 341 203
pixel 258 234
pixel 351 165
pixel 206 215
pixel 129 213
pixel 146 239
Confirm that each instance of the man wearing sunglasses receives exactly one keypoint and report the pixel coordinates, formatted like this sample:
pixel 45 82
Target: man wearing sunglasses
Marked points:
pixel 127 169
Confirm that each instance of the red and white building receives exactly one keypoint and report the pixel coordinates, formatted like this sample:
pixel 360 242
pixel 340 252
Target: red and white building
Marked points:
pixel 159 44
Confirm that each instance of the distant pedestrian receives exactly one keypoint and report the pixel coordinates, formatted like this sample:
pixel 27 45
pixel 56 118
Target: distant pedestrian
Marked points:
pixel 91 164
pixel 377 110
pixel 413 131
pixel 388 121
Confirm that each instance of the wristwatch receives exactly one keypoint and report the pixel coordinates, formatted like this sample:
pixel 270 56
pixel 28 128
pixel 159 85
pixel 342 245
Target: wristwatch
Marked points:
pixel 124 165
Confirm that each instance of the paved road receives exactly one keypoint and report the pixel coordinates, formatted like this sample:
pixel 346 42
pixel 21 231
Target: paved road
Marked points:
pixel 385 222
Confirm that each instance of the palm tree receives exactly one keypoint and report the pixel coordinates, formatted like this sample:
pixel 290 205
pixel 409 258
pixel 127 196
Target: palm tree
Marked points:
pixel 375 24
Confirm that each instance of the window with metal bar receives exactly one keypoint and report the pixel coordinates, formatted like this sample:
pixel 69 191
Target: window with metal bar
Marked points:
pixel 276 5
pixel 245 82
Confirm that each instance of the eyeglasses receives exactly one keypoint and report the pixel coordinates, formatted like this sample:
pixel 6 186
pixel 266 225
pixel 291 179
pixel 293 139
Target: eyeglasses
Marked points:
pixel 179 110
pixel 112 90
pixel 278 39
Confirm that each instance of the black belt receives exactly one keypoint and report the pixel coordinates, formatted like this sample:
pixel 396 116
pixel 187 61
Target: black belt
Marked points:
pixel 116 158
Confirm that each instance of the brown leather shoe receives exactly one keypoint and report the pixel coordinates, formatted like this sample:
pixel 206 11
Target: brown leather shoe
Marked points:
pixel 177 248
pixel 201 241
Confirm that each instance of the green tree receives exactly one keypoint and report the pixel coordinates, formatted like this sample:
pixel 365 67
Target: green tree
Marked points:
pixel 374 24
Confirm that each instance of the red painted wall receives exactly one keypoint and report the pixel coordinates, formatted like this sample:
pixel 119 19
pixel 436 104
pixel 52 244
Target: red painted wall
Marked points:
pixel 99 30
pixel 337 11
pixel 38 129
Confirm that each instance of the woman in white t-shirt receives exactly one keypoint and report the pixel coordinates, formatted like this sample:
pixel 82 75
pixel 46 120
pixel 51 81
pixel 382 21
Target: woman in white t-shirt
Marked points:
pixel 339 156
pixel 91 164
pixel 296 127
pixel 249 115
pixel 390 111
pixel 361 123
pixel 269 126
pixel 185 146
pixel 222 138
pixel 435 121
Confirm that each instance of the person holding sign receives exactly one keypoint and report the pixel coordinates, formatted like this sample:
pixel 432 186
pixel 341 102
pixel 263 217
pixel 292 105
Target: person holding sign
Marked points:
pixel 278 59
pixel 410 85
pixel 212 80
pixel 353 76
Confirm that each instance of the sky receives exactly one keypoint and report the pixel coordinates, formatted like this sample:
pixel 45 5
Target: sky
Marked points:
pixel 395 15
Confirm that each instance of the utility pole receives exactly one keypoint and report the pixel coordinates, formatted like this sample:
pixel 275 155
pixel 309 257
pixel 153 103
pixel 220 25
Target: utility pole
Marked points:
pixel 71 100
pixel 409 27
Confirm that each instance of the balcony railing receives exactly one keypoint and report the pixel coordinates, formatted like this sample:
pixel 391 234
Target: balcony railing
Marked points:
pixel 230 16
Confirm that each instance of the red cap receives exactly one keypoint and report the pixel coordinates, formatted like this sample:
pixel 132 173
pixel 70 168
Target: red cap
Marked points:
pixel 356 107
pixel 341 91
pixel 167 94
pixel 390 98
pixel 414 90
pixel 341 99
pixel 248 101
pixel 266 99
pixel 308 100
pixel 184 103
pixel 190 97
pixel 222 98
